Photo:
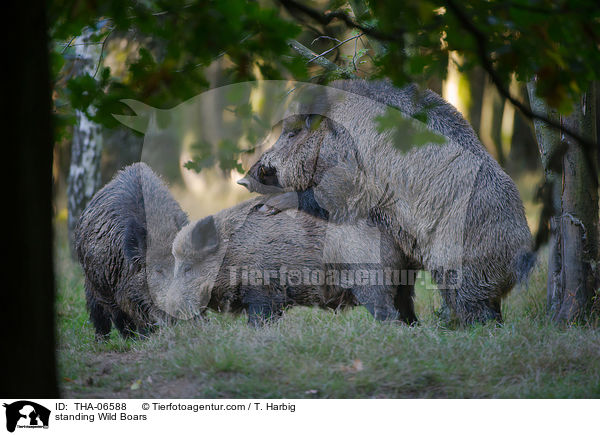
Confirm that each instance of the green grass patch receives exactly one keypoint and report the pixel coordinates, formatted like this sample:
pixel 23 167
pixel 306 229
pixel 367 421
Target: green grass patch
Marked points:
pixel 312 353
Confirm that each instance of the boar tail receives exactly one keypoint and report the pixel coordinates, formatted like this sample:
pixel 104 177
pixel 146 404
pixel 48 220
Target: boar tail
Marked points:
pixel 523 264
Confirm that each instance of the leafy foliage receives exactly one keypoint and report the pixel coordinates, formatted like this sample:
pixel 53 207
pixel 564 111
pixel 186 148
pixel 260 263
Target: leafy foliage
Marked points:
pixel 173 43
pixel 205 156
pixel 176 41
pixel 557 41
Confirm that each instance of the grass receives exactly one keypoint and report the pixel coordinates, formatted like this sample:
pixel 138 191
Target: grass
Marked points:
pixel 312 353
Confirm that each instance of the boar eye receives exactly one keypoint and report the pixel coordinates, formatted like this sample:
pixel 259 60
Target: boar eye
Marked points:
pixel 291 134
pixel 187 269
pixel 159 270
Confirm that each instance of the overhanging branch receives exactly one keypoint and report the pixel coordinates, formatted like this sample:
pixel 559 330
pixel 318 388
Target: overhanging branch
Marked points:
pixel 308 54
pixel 325 18
pixel 486 63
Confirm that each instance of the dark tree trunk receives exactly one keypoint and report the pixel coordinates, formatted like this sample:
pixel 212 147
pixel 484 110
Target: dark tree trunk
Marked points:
pixel 498 113
pixel 120 147
pixel 597 92
pixel 579 217
pixel 86 148
pixel 573 255
pixel 476 82
pixel 523 153
pixel 490 124
pixel 28 345
pixel 548 140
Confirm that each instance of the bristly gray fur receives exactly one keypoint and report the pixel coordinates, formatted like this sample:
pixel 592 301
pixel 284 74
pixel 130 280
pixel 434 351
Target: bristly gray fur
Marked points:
pixel 449 206
pixel 124 239
pixel 250 239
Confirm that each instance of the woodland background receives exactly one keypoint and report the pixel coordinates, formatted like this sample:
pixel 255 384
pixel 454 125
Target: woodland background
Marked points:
pixel 523 72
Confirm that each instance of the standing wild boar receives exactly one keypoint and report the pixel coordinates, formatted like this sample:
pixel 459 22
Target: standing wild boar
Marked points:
pixel 449 206
pixel 124 239
pixel 240 258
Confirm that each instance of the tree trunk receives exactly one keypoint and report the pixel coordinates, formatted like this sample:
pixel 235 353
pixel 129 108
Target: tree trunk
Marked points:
pixel 573 250
pixel 120 147
pixel 548 140
pixel 86 149
pixel 579 217
pixel 491 121
pixel 477 80
pixel 29 369
pixel 523 154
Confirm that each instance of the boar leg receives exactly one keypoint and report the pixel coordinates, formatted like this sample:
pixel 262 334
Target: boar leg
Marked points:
pixel 480 312
pixel 98 315
pixel 378 302
pixel 124 324
pixel 308 204
pixel 303 200
pixel 404 303
pixel 470 310
pixel 145 331
pixel 260 307
pixel 474 299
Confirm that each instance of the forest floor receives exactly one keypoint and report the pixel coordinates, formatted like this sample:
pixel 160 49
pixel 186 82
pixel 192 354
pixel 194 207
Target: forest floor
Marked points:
pixel 313 353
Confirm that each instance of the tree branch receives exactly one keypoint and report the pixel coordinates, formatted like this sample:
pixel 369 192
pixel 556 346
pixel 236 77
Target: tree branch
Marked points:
pixel 307 53
pixel 336 46
pixel 102 51
pixel 482 52
pixel 486 63
pixel 361 10
pixel 328 17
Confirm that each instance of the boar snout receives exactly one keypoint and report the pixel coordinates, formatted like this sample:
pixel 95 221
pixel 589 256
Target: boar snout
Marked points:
pixel 262 173
pixel 181 306
pixel 267 175
pixel 262 179
pixel 244 182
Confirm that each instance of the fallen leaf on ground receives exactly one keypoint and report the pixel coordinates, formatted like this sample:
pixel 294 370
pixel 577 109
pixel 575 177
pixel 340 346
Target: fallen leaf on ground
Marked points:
pixel 356 366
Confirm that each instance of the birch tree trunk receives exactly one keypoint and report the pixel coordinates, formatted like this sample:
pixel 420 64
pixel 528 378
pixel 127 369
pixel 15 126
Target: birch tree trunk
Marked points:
pixel 572 277
pixel 86 149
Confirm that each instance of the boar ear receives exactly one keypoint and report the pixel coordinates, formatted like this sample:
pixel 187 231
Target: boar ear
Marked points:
pixel 180 220
pixel 134 244
pixel 204 234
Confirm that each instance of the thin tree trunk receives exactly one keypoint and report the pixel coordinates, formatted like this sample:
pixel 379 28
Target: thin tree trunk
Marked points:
pixel 86 149
pixel 477 80
pixel 491 121
pixel 579 217
pixel 28 343
pixel 548 140
pixel 597 92
pixel 523 154
pixel 573 252
pixel 498 113
pixel 120 147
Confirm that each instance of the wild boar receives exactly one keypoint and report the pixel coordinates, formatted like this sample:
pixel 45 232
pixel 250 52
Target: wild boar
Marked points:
pixel 448 206
pixel 243 259
pixel 123 240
